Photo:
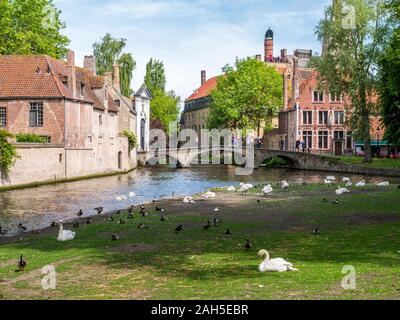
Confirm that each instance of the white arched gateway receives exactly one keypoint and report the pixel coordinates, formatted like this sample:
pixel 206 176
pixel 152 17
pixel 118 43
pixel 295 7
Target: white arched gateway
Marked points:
pixel 142 106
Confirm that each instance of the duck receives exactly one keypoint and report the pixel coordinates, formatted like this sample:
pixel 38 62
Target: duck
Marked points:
pixel 228 232
pixel 21 264
pixel 179 228
pixel 142 226
pixel 3 232
pixel 76 225
pixel 267 190
pixel 130 209
pixel 80 213
pixel 158 209
pixel 274 265
pixel 121 221
pixel 99 210
pixel 89 221
pixel 247 245
pixel 362 183
pixel 65 235
pixel 207 226
pixel 22 228
pixel 341 191
pixel 285 184
pixel 115 237
pixel 335 201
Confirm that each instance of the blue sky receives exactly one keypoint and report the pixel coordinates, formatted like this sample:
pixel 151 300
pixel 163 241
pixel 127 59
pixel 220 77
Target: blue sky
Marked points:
pixel 190 36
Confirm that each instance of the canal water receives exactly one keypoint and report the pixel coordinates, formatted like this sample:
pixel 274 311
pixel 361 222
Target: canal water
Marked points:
pixel 36 208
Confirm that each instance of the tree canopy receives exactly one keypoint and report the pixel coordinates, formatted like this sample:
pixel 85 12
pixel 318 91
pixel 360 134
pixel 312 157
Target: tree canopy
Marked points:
pixel 155 78
pixel 108 53
pixel 353 33
pixel 246 95
pixel 389 72
pixel 31 27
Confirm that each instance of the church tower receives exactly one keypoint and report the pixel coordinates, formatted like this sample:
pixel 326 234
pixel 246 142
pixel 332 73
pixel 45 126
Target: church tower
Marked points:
pixel 269 45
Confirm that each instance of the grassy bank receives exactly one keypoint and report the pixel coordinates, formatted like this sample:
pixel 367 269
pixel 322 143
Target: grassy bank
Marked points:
pixel 376 162
pixel 363 230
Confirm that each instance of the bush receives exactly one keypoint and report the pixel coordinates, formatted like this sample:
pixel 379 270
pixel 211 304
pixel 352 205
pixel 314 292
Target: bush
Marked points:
pixel 275 162
pixel 30 138
pixel 133 143
pixel 8 152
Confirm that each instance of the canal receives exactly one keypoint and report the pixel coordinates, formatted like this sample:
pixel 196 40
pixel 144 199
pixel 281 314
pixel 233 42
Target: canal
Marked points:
pixel 36 208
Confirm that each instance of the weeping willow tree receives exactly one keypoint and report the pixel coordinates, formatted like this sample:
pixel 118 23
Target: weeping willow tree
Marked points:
pixel 108 52
pixel 353 32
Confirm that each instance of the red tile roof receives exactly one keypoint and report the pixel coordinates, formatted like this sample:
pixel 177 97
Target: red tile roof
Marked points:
pixel 204 90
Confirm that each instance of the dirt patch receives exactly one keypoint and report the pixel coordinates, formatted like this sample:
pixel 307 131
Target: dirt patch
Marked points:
pixel 134 248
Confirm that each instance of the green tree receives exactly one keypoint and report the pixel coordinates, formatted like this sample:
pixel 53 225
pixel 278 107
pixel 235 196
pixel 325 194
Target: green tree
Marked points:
pixel 155 78
pixel 31 27
pixel 108 53
pixel 246 96
pixel 389 72
pixel 165 107
pixel 353 33
pixel 8 153
pixel 127 65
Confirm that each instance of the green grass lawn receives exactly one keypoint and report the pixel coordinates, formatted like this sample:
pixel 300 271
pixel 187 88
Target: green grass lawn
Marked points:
pixel 376 163
pixel 362 231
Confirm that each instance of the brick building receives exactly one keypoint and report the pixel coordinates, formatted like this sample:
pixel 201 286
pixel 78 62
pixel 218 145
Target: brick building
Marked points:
pixel 81 115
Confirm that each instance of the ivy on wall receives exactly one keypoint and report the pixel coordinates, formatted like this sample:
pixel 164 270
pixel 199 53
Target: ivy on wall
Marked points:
pixel 8 152
pixel 132 138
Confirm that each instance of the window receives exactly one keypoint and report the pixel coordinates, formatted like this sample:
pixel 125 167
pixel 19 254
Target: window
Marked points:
pixel 349 140
pixel 339 117
pixel 307 117
pixel 36 114
pixel 3 117
pixel 318 96
pixel 323 139
pixel 117 103
pixel 323 117
pixel 307 137
pixel 82 89
pixel 339 135
pixel 335 97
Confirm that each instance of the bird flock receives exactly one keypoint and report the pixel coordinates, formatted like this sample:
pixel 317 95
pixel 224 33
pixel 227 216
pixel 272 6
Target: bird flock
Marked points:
pixel 267 265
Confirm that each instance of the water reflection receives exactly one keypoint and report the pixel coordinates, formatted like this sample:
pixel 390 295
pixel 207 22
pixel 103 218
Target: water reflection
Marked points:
pixel 38 207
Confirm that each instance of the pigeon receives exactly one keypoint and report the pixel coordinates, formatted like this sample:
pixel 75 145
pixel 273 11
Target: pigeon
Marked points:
pixel 21 264
pixel 179 228
pixel 115 237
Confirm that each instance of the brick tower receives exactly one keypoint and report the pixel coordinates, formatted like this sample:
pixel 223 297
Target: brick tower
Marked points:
pixel 269 45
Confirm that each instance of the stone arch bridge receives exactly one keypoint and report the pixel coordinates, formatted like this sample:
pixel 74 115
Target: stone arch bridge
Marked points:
pixel 250 157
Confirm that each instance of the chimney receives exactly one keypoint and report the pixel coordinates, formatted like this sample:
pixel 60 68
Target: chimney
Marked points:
pixel 258 57
pixel 203 77
pixel 115 78
pixel 71 72
pixel 283 53
pixel 89 63
pixel 108 79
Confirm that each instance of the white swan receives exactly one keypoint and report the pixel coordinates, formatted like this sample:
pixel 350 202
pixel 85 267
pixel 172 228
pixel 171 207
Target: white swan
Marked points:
pixel 231 189
pixel 267 190
pixel 274 265
pixel 383 184
pixel 65 235
pixel 331 178
pixel 328 181
pixel 362 183
pixel 341 191
pixel 189 200
pixel 245 187
pixel 285 184
pixel 121 198
pixel 132 194
pixel 209 195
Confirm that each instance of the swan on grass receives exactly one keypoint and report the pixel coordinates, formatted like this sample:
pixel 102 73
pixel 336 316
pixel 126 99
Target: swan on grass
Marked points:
pixel 189 200
pixel 244 188
pixel 231 189
pixel 274 265
pixel 285 184
pixel 362 183
pixel 341 191
pixel 65 235
pixel 267 190
pixel 383 184
pixel 209 195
